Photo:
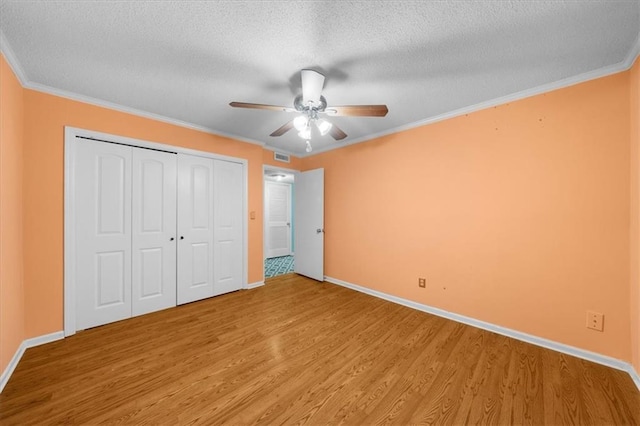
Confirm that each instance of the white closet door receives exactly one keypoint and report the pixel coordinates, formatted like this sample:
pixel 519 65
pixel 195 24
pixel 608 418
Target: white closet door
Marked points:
pixel 195 228
pixel 103 230
pixel 153 231
pixel 228 234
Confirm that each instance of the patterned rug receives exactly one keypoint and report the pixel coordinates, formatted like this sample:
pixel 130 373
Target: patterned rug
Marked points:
pixel 278 266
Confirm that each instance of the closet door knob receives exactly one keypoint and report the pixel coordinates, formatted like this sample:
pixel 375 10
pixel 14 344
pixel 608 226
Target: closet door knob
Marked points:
pixel 181 237
pixel 171 239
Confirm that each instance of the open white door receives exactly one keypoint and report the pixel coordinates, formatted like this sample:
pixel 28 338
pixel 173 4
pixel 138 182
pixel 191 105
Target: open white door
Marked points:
pixel 309 214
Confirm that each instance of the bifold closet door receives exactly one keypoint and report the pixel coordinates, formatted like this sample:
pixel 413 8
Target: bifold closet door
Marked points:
pixel 153 231
pixel 228 234
pixel 125 232
pixel 102 173
pixel 195 228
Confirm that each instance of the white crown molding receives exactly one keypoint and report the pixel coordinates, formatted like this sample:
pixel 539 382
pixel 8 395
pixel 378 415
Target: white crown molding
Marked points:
pixel 283 151
pixel 133 111
pixel 633 53
pixel 26 344
pixel 624 65
pixel 535 340
pixel 6 49
pixel 556 85
pixel 8 54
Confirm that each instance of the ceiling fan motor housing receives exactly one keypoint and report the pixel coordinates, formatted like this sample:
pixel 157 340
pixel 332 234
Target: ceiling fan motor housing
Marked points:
pixel 311 106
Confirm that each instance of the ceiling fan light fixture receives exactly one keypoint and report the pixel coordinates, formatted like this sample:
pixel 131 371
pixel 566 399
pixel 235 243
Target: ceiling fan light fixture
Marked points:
pixel 305 133
pixel 301 122
pixel 323 126
pixel 309 105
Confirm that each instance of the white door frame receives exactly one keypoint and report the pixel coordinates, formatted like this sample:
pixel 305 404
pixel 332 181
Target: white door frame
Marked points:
pixel 266 167
pixel 70 135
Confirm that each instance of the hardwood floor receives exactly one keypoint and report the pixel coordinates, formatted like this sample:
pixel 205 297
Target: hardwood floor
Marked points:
pixel 298 351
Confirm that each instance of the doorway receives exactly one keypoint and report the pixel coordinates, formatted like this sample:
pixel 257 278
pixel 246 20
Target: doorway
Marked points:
pixel 279 221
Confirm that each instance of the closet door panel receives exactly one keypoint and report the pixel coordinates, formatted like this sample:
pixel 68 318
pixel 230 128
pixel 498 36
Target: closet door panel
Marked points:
pixel 103 233
pixel 228 233
pixel 195 228
pixel 154 231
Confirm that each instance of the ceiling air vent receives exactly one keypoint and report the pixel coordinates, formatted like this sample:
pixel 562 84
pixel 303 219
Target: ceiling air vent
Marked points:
pixel 278 156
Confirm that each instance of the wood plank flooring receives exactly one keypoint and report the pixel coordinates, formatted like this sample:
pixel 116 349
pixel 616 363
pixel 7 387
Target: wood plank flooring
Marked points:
pixel 298 351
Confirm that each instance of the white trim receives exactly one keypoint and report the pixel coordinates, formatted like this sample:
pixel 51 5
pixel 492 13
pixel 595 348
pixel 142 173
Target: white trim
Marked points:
pixel 26 344
pixel 69 242
pixel 133 111
pixel 281 150
pixel 70 134
pixel 634 376
pixel 75 131
pixel 634 52
pixel 535 340
pixel 623 65
pixel 13 363
pixel 251 286
pixel 45 338
pixel 245 226
pixel 545 88
pixel 266 167
pixel 8 54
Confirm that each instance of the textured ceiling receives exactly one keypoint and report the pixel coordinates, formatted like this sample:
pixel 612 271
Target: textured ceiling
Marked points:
pixel 186 60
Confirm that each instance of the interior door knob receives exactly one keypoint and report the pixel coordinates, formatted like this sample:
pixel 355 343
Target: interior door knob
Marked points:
pixel 181 237
pixel 319 230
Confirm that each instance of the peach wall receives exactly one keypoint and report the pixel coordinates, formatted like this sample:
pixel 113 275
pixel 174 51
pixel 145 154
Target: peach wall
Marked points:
pixel 634 91
pixel 517 215
pixel 11 279
pixel 45 118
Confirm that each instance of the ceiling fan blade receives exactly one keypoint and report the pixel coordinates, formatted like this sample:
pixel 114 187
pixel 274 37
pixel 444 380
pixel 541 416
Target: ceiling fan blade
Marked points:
pixel 337 133
pixel 283 129
pixel 358 110
pixel 312 83
pixel 259 106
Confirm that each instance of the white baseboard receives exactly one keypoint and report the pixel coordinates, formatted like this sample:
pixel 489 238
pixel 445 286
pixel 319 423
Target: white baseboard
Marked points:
pixel 535 340
pixel 634 376
pixel 26 344
pixel 257 284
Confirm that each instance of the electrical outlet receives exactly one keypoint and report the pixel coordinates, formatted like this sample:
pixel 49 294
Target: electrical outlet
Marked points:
pixel 595 320
pixel 422 282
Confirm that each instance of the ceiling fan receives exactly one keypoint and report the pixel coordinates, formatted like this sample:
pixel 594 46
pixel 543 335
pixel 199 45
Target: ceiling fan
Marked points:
pixel 311 106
